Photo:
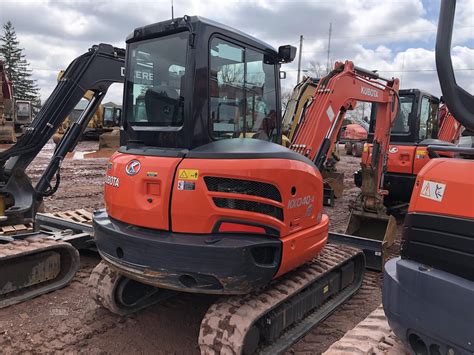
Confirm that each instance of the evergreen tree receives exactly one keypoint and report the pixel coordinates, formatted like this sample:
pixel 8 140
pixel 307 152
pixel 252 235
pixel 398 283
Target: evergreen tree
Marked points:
pixel 17 67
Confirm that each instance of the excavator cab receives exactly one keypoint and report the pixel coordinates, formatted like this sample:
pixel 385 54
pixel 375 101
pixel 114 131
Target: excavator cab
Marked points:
pixel 178 95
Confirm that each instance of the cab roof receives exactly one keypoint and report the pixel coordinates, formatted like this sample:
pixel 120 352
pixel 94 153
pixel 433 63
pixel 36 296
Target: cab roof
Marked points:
pixel 195 24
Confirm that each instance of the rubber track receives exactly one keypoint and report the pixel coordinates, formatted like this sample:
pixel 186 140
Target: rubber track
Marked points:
pixel 104 282
pixel 29 246
pixel 227 321
pixel 371 336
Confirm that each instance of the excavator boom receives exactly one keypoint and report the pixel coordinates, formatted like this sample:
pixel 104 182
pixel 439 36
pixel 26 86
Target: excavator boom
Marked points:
pixel 95 70
pixel 318 132
pixel 337 93
pixel 450 129
pixel 34 263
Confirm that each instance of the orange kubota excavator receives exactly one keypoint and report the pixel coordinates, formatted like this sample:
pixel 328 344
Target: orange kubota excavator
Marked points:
pixel 429 291
pixel 318 132
pixel 419 123
pixel 190 208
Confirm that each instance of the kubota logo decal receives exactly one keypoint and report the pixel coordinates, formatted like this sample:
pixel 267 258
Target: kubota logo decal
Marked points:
pixel 112 181
pixel 133 167
pixel 369 92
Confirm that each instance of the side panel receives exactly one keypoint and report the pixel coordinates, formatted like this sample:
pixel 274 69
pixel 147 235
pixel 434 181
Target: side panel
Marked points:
pixel 400 159
pixel 421 158
pixel 141 199
pixel 444 186
pixel 207 191
pixel 303 246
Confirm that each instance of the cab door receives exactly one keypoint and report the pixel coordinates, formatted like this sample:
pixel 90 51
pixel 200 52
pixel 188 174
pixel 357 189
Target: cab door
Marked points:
pixel 427 129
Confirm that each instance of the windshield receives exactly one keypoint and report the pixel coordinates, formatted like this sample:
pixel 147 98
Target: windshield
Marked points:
pixel 242 92
pixel 23 109
pixel 401 125
pixel 154 83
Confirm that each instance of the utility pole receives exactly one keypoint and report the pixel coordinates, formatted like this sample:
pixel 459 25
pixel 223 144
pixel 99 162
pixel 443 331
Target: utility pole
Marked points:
pixel 328 65
pixel 172 11
pixel 299 59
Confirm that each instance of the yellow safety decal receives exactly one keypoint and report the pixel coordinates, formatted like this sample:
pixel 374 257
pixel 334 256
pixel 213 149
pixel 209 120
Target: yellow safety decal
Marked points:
pixel 421 152
pixel 326 289
pixel 366 148
pixel 188 174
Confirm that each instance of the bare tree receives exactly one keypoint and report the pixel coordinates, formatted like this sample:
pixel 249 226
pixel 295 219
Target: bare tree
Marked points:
pixel 316 69
pixel 285 98
pixel 232 74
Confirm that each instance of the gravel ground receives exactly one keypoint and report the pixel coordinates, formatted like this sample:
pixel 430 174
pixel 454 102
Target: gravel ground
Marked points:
pixel 68 320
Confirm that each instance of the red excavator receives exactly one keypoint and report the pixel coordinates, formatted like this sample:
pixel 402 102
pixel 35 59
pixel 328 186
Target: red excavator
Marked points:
pixel 192 207
pixel 7 109
pixel 449 128
pixel 429 290
pixel 15 114
pixel 353 136
pixel 420 122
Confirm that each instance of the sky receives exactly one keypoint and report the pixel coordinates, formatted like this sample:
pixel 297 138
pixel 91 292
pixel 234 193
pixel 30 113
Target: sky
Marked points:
pixel 396 37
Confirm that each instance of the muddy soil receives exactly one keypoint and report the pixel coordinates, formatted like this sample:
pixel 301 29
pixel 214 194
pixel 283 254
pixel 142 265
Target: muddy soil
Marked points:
pixel 69 321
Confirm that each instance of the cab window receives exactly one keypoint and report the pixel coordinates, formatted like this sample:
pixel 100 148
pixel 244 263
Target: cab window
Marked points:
pixel 242 92
pixel 428 118
pixel 154 82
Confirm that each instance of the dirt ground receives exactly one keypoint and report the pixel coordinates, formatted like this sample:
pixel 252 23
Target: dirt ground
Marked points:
pixel 68 320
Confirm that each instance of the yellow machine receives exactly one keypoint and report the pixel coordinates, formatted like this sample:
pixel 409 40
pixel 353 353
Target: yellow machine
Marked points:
pixel 300 100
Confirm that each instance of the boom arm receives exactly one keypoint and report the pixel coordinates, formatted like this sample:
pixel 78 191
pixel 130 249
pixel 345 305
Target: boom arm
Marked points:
pixel 95 70
pixel 450 129
pixel 459 101
pixel 337 93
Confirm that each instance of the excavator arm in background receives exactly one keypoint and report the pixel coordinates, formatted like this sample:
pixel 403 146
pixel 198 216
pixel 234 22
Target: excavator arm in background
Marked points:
pixel 450 129
pixel 318 131
pixel 337 93
pixel 35 262
pixel 95 70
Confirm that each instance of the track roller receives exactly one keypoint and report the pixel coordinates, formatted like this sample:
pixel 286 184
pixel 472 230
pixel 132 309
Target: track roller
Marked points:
pixel 122 295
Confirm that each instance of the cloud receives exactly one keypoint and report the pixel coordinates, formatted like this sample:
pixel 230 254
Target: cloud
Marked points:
pixel 396 37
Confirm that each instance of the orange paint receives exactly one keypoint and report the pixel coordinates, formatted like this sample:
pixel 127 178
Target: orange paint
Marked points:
pixel 166 201
pixel 456 175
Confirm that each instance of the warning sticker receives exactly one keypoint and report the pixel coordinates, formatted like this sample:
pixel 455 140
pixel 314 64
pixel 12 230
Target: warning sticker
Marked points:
pixel 330 113
pixel 188 174
pixel 421 154
pixel 433 190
